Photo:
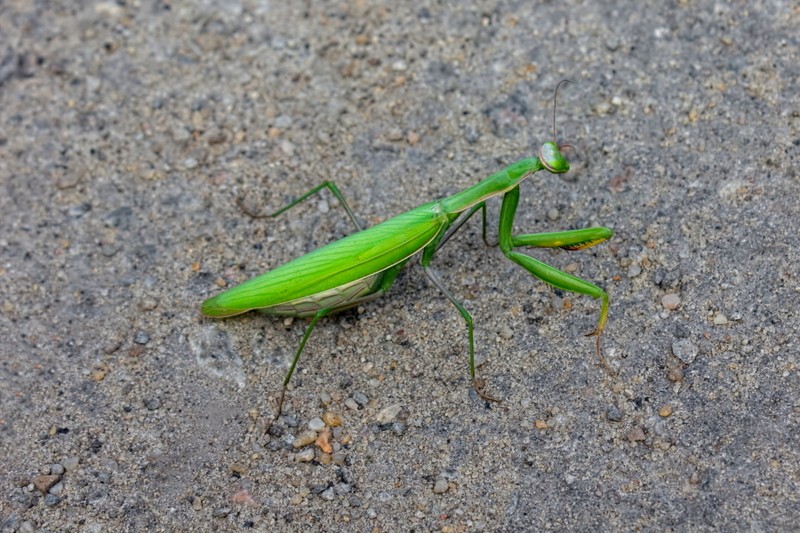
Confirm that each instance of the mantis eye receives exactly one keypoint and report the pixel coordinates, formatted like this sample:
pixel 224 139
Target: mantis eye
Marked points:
pixel 553 160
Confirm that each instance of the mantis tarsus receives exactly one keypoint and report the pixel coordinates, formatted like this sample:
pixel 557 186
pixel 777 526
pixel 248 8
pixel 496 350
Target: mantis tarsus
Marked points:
pixel 363 266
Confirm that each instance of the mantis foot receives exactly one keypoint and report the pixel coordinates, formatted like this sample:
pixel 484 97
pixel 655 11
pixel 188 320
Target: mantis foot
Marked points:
pixel 479 384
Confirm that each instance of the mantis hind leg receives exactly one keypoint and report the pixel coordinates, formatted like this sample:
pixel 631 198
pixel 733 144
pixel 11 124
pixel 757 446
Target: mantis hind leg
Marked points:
pixel 316 318
pixel 567 240
pixel 331 186
pixel 387 278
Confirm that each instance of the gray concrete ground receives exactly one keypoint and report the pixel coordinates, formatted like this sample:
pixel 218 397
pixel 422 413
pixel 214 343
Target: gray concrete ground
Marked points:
pixel 128 130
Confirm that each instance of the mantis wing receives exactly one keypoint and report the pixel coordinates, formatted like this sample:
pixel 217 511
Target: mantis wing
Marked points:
pixel 354 257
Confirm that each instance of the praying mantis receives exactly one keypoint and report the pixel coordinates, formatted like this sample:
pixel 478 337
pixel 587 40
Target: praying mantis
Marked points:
pixel 362 266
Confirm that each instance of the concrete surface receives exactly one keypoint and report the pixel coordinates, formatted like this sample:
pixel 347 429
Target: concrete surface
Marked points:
pixel 128 130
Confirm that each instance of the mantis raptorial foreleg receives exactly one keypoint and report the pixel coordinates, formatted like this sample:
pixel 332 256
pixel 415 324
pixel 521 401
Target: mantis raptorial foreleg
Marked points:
pixel 568 240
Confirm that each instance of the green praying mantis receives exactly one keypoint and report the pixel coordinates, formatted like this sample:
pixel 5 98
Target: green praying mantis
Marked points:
pixel 363 266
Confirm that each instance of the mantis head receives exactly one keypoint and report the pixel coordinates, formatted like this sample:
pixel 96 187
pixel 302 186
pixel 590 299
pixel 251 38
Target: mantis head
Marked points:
pixel 552 158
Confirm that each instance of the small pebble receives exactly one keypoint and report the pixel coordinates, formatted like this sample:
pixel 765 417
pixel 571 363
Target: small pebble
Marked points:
pixel 675 375
pixel 553 214
pixel 44 483
pixel 506 332
pixel 388 414
pixel 614 413
pixel 671 301
pixel 441 486
pixel 304 439
pixel 70 463
pixel 57 489
pixel 665 411
pixel 331 419
pixel 304 456
pixel 323 441
pixel 540 424
pixel 360 398
pixel 636 435
pixel 57 469
pixel 51 500
pixel 684 350
pixel 152 404
pixel 328 494
pixel 221 512
pixel 635 270
pixel 720 319
pixel 141 337
pixel 316 424
pixel 351 404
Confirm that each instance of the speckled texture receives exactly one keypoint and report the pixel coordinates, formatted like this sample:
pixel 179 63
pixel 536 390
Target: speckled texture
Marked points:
pixel 128 131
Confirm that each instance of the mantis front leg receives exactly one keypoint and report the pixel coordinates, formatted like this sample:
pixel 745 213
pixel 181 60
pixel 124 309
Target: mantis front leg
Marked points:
pixel 567 240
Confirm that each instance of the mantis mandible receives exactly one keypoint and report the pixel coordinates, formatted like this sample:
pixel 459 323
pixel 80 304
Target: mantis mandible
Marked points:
pixel 363 266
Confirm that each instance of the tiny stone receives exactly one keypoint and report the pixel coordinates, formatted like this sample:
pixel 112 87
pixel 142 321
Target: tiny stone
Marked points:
pixel 339 458
pixel 614 414
pixel 342 488
pixel 388 414
pixel 636 435
pixel 197 503
pixel 634 271
pixel 355 501
pixel 684 350
pixel 675 375
pixel 351 404
pixel 671 301
pixel 553 214
pixel 141 337
pixel 222 512
pixel 70 463
pixel 441 486
pixel 57 469
pixel 316 424
pixel 304 439
pixel 57 489
pixel 399 428
pixel 51 500
pixel 26 527
pixel 331 419
pixel 304 456
pixel 720 319
pixel 152 404
pixel 44 483
pixel 360 398
pixel 327 494
pixel 506 332
pixel 665 411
